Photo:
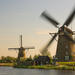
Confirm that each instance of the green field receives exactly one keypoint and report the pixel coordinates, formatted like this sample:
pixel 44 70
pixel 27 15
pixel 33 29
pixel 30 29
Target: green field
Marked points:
pixel 59 66
pixel 66 63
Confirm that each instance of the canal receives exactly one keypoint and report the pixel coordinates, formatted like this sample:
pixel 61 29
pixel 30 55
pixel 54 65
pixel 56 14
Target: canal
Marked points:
pixel 16 71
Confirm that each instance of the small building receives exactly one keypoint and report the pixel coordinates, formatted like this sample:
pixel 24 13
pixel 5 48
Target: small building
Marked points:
pixel 42 60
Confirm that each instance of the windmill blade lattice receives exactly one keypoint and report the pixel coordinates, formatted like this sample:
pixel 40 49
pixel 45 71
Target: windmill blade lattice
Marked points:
pixel 50 19
pixel 70 18
pixel 55 23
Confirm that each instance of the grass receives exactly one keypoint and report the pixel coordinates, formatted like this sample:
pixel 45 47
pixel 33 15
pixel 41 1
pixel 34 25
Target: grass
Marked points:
pixel 60 67
pixel 7 64
pixel 66 63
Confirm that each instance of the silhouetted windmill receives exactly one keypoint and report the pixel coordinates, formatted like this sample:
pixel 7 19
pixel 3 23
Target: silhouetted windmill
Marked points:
pixel 65 40
pixel 22 49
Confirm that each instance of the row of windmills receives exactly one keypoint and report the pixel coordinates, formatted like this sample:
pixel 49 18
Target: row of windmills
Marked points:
pixel 65 44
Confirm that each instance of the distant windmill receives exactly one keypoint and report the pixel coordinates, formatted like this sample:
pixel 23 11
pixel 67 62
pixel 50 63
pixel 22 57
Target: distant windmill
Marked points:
pixel 65 40
pixel 22 49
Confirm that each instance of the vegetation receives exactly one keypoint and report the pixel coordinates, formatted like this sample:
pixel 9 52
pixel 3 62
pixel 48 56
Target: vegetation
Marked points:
pixel 7 64
pixel 66 63
pixel 7 59
pixel 47 67
pixel 36 56
pixel 29 63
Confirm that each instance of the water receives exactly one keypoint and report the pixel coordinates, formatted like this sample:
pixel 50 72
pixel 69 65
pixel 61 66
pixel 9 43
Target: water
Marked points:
pixel 15 71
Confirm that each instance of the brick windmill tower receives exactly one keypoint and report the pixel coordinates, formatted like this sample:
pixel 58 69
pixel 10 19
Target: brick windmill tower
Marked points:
pixel 21 50
pixel 65 51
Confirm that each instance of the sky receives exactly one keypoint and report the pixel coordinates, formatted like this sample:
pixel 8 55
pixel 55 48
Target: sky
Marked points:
pixel 23 17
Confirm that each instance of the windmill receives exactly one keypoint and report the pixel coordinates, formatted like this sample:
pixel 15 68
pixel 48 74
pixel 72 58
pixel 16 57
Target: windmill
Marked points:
pixel 21 53
pixel 65 43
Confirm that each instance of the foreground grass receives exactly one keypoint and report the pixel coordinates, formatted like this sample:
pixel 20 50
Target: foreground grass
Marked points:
pixel 60 67
pixel 7 64
pixel 66 63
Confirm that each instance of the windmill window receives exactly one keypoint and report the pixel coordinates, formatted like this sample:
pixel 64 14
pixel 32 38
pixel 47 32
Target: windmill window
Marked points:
pixel 66 58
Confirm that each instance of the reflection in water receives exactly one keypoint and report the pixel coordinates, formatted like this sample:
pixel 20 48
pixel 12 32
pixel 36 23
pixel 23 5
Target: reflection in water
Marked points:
pixel 15 71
